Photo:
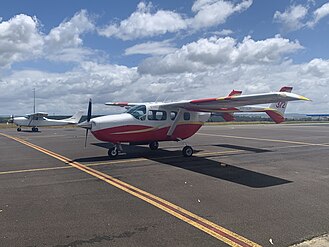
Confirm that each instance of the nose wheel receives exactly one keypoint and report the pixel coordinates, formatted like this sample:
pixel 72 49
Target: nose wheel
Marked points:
pixel 114 151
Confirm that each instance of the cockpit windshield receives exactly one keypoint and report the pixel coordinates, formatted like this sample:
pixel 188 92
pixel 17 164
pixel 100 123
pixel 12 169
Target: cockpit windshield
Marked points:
pixel 138 111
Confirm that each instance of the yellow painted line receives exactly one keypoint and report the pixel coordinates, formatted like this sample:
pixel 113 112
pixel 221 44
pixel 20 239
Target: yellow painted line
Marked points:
pixel 267 140
pixel 221 233
pixel 35 170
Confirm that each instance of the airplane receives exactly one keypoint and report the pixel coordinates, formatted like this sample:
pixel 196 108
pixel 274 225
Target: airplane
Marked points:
pixel 151 123
pixel 275 111
pixel 39 119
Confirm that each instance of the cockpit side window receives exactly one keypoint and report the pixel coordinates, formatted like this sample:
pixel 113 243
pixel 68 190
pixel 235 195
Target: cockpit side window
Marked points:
pixel 138 112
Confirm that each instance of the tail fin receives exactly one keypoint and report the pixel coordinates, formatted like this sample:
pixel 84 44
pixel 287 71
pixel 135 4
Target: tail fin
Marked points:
pixel 276 110
pixel 75 118
pixel 235 93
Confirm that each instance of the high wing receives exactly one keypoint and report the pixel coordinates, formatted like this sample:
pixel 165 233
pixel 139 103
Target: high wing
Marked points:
pixel 234 99
pixel 129 104
pixel 122 104
pixel 37 114
pixel 217 104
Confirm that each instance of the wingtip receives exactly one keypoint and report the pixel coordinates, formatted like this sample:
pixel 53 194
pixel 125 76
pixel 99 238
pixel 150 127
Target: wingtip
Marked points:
pixel 304 98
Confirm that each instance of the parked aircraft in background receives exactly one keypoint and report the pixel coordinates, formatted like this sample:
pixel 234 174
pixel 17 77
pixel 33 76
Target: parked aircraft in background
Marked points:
pixel 151 123
pixel 318 115
pixel 39 119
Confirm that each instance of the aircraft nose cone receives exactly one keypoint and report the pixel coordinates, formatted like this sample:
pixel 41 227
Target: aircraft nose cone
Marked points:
pixel 85 125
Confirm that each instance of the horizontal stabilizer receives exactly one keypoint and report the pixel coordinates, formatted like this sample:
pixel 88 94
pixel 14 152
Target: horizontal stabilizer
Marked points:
pixel 275 115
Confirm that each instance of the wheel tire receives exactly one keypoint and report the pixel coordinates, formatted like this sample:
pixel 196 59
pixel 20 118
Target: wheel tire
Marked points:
pixel 113 152
pixel 19 129
pixel 36 129
pixel 154 145
pixel 187 151
pixel 33 129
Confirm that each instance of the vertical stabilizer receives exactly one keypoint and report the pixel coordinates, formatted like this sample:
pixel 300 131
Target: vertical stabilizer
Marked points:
pixel 276 111
pixel 75 118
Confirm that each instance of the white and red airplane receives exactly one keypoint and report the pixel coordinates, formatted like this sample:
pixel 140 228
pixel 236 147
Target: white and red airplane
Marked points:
pixel 151 123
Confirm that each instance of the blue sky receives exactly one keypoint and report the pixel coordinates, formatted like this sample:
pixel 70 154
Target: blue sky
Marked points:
pixel 144 50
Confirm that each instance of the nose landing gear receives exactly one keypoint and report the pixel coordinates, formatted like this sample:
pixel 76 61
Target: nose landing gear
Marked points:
pixel 114 151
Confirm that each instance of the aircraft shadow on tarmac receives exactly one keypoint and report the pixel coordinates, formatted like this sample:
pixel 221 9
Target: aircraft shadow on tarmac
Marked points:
pixel 202 165
pixel 244 148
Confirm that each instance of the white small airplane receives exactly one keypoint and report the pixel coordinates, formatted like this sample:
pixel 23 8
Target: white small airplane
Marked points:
pixel 151 123
pixel 39 119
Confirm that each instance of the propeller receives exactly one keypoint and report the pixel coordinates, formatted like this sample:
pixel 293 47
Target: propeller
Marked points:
pixel 11 119
pixel 86 124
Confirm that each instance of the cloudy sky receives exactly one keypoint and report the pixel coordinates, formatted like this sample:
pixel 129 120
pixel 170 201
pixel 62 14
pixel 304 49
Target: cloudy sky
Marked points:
pixel 70 51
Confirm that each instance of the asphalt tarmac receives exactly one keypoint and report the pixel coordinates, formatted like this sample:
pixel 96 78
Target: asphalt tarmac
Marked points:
pixel 247 185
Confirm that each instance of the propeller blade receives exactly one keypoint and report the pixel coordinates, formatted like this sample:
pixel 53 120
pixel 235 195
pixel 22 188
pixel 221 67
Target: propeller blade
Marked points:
pixel 89 111
pixel 87 124
pixel 86 137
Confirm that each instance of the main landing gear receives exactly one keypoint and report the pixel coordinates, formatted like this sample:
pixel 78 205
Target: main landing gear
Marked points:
pixel 187 151
pixel 154 145
pixel 34 129
pixel 114 151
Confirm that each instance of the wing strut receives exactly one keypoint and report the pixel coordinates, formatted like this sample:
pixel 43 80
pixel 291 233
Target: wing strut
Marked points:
pixel 175 122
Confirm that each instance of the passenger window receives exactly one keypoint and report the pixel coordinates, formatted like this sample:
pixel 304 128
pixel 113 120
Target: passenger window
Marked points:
pixel 187 116
pixel 156 115
pixel 173 115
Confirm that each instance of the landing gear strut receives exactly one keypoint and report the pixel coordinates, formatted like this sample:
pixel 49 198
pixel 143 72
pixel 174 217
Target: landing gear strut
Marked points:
pixel 114 151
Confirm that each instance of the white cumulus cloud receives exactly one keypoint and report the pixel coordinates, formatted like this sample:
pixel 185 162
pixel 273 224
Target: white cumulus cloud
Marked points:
pixel 298 16
pixel 20 39
pixel 206 53
pixel 151 48
pixel 64 42
pixel 292 18
pixel 144 23
pixel 213 12
pixel 318 14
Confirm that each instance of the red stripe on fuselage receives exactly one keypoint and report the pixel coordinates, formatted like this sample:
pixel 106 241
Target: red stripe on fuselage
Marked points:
pixel 145 133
